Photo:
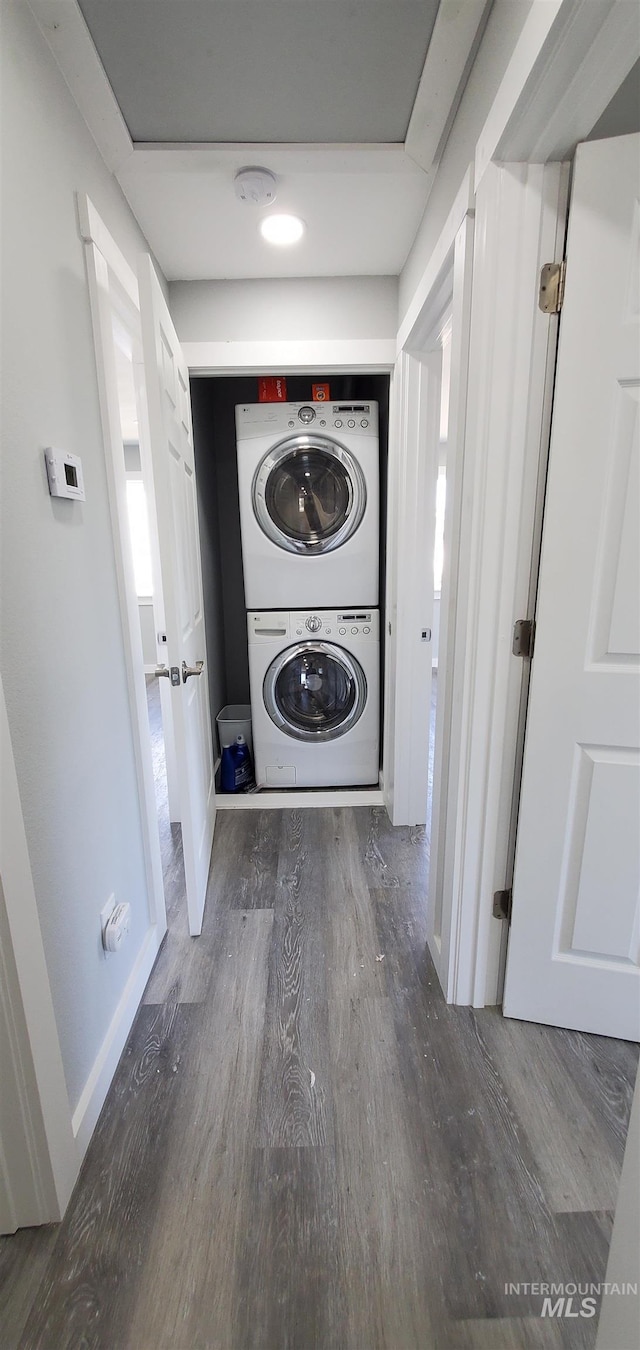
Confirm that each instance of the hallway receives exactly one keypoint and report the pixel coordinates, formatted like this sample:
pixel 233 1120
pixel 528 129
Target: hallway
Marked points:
pixel 305 1147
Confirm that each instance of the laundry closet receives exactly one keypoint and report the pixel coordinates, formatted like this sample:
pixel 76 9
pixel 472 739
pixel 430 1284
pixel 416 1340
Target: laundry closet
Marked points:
pixel 292 501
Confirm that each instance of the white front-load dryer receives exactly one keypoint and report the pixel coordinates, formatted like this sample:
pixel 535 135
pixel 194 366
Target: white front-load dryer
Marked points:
pixel 315 697
pixel 308 477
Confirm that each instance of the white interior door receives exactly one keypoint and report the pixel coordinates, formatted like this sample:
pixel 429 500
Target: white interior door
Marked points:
pixel 171 441
pixel 573 947
pixel 413 467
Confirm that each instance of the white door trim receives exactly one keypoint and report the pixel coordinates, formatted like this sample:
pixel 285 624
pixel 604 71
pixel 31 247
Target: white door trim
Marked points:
pixel 416 322
pixel 49 1160
pixel 443 916
pixel 67 34
pixel 371 355
pixel 520 224
pixel 98 269
pixel 569 61
pixel 94 231
pixel 445 286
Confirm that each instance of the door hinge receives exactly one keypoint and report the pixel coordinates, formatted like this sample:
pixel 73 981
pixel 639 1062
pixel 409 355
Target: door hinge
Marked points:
pixel 551 293
pixel 502 902
pixel 523 637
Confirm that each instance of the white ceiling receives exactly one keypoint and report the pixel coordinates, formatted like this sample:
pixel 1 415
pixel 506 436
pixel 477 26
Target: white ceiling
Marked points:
pixel 348 102
pixel 360 221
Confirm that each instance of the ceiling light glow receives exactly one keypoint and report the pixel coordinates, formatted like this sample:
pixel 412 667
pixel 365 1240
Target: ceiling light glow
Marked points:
pixel 282 229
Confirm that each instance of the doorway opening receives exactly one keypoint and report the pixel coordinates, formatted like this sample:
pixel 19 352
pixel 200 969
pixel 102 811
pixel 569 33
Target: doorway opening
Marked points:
pixel 214 398
pixel 438 500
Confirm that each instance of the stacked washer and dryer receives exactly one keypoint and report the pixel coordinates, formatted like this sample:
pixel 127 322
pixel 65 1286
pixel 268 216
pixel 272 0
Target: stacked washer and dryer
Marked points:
pixel 309 511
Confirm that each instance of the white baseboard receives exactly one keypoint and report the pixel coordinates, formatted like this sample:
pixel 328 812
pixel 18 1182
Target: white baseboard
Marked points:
pixel 85 1116
pixel 274 799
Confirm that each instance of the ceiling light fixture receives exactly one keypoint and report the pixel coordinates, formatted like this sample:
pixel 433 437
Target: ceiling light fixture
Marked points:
pixel 282 229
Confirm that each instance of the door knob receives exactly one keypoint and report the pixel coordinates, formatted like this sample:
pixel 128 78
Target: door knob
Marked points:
pixel 191 670
pixel 169 672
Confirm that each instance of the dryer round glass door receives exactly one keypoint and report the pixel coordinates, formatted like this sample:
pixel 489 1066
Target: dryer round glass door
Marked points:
pixel 309 494
pixel 315 691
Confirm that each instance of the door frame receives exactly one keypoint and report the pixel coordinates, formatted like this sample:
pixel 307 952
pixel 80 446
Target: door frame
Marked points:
pixel 373 356
pixel 570 60
pixel 445 285
pixel 520 224
pixel 452 286
pixel 39 1156
pixel 487 259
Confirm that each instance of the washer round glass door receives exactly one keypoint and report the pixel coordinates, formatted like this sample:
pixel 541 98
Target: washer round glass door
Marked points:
pixel 309 494
pixel 315 691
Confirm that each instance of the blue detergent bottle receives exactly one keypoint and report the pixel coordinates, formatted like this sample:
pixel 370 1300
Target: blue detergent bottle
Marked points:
pixel 236 771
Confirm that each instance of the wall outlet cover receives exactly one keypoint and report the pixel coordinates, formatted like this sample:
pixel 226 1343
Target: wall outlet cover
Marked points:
pixel 105 915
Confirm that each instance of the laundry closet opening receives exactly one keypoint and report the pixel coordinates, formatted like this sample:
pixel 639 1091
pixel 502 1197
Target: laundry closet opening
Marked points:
pixel 324 507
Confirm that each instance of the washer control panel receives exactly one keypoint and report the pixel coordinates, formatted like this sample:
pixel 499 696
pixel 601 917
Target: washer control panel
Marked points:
pixel 354 416
pixel 261 419
pixel 327 624
pixel 358 622
pixel 304 625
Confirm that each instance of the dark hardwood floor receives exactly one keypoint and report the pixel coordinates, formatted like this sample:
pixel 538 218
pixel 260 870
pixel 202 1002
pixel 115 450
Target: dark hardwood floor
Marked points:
pixel 304 1148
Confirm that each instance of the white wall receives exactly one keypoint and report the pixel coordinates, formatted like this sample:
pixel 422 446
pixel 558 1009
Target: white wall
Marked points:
pixel 291 308
pixel 62 654
pixel 504 27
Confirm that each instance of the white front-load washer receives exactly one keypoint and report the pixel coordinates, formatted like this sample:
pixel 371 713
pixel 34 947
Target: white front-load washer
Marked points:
pixel 308 476
pixel 315 697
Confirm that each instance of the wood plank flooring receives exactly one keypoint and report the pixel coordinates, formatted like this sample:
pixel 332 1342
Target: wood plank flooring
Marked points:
pixel 304 1148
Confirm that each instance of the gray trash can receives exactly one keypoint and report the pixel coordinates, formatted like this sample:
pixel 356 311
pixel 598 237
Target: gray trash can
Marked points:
pixel 234 720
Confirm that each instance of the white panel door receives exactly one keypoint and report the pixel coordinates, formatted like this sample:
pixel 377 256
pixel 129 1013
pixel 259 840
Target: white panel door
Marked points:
pixel 573 947
pixel 167 380
pixel 413 470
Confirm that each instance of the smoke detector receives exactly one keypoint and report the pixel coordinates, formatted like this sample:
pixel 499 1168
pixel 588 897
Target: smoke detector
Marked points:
pixel 255 186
